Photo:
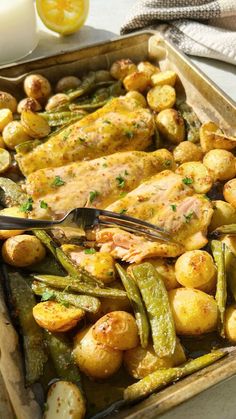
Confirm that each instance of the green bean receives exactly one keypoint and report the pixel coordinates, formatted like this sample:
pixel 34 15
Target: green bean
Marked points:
pixel 10 193
pixel 23 302
pixel 27 146
pixel 230 266
pixel 160 378
pixel 60 351
pixel 56 119
pixel 85 302
pixel 136 302
pixel 71 284
pixel 46 240
pixel 218 251
pixel 158 309
pixel 86 85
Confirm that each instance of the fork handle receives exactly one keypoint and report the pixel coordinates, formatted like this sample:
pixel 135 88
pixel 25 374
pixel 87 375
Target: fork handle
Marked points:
pixel 15 223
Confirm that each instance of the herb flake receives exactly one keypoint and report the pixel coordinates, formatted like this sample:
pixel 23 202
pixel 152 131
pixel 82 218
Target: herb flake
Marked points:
pixel 129 134
pixel 93 195
pixel 123 211
pixel 188 217
pixel 173 207
pixel 43 205
pixel 121 181
pixel 47 295
pixel 187 181
pixel 27 206
pixel 90 251
pixel 58 181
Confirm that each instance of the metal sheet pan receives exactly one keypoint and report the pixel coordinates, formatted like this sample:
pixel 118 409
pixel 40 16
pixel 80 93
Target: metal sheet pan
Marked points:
pixel 208 101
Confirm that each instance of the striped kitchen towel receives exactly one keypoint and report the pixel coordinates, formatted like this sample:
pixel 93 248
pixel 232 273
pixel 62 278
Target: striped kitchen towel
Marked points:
pixel 205 28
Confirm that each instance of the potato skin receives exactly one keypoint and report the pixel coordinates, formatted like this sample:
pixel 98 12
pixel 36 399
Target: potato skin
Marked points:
pixel 56 100
pixel 7 101
pixel 55 317
pixel 230 242
pixel 140 362
pixel 121 68
pixel 148 68
pixel 195 269
pixel 194 311
pixel 6 116
pixel 160 98
pixel 37 87
pixel 67 83
pixel 23 250
pixel 138 97
pixel 138 81
pixel 93 358
pixel 186 152
pixel 167 77
pixel 221 164
pixel 230 323
pixel 171 125
pixel 229 192
pixel 117 329
pixel 224 213
pixel 11 212
pixel 64 400
pixel 28 104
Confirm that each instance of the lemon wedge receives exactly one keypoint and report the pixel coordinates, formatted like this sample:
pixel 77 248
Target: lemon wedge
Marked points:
pixel 63 16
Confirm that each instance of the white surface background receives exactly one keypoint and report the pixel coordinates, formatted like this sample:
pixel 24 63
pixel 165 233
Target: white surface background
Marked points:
pixel 105 18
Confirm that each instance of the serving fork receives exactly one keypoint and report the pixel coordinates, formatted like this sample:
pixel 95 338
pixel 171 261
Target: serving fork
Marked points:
pixel 88 218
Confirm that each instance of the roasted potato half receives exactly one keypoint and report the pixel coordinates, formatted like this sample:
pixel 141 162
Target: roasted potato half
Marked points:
pixel 200 176
pixel 211 136
pixel 224 213
pixel 161 97
pixel 14 134
pixel 7 101
pixel 138 81
pixel 35 125
pixel 194 311
pixel 55 317
pixel 229 192
pixel 122 68
pixel 117 329
pixel 93 358
pixel 162 78
pixel 6 116
pixel 148 68
pixel 64 401
pixel 171 125
pixel 186 152
pixel 230 323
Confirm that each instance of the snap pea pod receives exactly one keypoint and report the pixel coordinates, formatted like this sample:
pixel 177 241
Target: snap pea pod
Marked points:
pixel 86 86
pixel 158 308
pixel 230 266
pixel 192 123
pixel 56 119
pixel 10 193
pixel 136 302
pixel 85 302
pixel 27 146
pixel 218 251
pixel 23 302
pixel 160 378
pixel 71 284
pixel 60 351
pixel 73 270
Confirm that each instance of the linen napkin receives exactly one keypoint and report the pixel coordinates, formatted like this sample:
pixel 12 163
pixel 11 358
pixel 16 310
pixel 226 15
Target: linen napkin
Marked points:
pixel 205 28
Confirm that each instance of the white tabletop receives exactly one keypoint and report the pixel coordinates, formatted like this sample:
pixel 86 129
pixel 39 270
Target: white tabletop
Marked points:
pixel 105 19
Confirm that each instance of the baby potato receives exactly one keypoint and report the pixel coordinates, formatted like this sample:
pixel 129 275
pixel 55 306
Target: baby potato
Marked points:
pixel 230 242
pixel 55 317
pixel 202 181
pixel 148 68
pixel 194 311
pixel 230 323
pixel 23 250
pixel 93 358
pixel 11 212
pixel 117 329
pixel 102 75
pixel 140 362
pixel 122 68
pixel 138 81
pixel 8 101
pixel 5 160
pixel 211 136
pixel 161 97
pixel 166 271
pixel 138 97
pixel 162 78
pixel 187 151
pixel 56 101
pixel 14 134
pixel 5 117
pixel 28 104
pixel 64 401
pixel 67 83
pixel 37 87
pixel 171 125
pixel 99 264
pixel 229 192
pixel 224 213
pixel 195 268
pixel 221 164
pixel 35 125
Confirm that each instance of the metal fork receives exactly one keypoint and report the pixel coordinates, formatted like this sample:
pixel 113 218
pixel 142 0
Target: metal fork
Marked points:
pixel 88 218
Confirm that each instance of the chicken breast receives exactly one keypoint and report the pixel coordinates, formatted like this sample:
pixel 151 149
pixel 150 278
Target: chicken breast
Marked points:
pixel 95 183
pixel 121 125
pixel 166 201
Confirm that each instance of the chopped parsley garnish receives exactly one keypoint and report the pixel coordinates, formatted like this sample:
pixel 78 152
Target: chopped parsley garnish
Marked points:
pixel 64 303
pixel 89 251
pixel 122 194
pixel 207 197
pixel 58 181
pixel 188 217
pixel 43 205
pixel 187 181
pixel 82 140
pixel 129 134
pixel 121 181
pixel 173 207
pixel 66 135
pixel 123 211
pixel 106 121
pixel 27 206
pixel 167 163
pixel 93 195
pixel 126 173
pixel 47 295
pixel 104 165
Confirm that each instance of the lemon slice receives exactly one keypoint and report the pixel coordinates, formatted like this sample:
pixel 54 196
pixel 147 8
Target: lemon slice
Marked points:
pixel 63 16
